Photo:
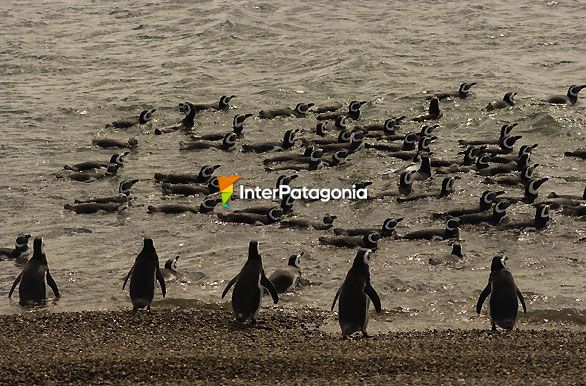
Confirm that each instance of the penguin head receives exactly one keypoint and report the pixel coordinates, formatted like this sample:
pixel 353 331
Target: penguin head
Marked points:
pixel 253 251
pixel 329 219
pixel 498 263
pixel 508 98
pixel 275 214
pixel 424 143
pixel 341 122
pixel 434 108
pixel 145 116
pixel 303 108
pixel 289 137
pixel 390 224
pixel 185 108
pixel 390 125
pixel 209 203
pixel 22 240
pixel 112 169
pixel 340 156
pixel 171 264
pixel 509 141
pixel 361 184
pixel 238 122
pixel 207 171
pixel 501 206
pixel 354 106
pixel 214 185
pixel 469 156
pixel 406 178
pixel 527 149
pixel 39 250
pixel 316 155
pixel 320 128
pixel 295 260
pixel 453 223
pixel 229 140
pixel 124 187
pixel 118 158
pixel 482 161
pixel 372 238
pixel 533 185
pixel 506 129
pixel 457 250
pixel 285 180
pixel 357 136
pixel 488 197
pixel 133 142
pixel 447 186
pixel 345 136
pixel 465 88
pixel 409 141
pixel 427 130
pixel 362 258
pixel 542 214
pixel 574 90
pixel 225 101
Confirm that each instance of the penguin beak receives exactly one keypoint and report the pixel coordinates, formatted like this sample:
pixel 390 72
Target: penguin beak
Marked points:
pixel 472 84
pixel 536 165
pixel 294 176
pixel 363 103
pixel 216 167
pixel 399 219
pixel 499 192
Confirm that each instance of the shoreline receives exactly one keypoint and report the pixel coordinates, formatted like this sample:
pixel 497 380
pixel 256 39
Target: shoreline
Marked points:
pixel 204 345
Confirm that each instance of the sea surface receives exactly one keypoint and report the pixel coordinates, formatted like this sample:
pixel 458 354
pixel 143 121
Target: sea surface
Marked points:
pixel 68 68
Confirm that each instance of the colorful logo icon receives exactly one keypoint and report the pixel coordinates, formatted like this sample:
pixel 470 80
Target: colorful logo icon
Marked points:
pixel 227 188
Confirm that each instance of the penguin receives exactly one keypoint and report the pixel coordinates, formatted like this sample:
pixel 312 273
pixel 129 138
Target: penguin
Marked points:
pixel 205 175
pixel 540 221
pixel 123 194
pixel 455 256
pixel 303 157
pixel 452 231
pixel 368 240
pixel 506 102
pixel 286 279
pixel 503 304
pixel 523 177
pixel 32 290
pixel 206 206
pixel 228 143
pixel 387 230
pixel 327 108
pixel 505 146
pixel 356 143
pixel 409 143
pixel 470 155
pixel 284 180
pixel 142 275
pixel 506 158
pixel 315 163
pixel 424 171
pixel 20 250
pixel 263 147
pixel 272 217
pixel 575 211
pixel 186 124
pixel 326 223
pixel 361 184
pixel 143 118
pixel 249 286
pixel 222 104
pixel 191 190
pixel 300 111
pixel 433 112
pixel 573 197
pixel 463 92
pixel 447 189
pixel 578 153
pixel 338 158
pixel 344 136
pixel 498 215
pixel 92 176
pixel 506 130
pixel 169 272
pixel 481 163
pixel 321 129
pixel 388 126
pixel 286 205
pixel 506 168
pixel 237 128
pixel 571 98
pixel 117 159
pixel 94 207
pixel 531 192
pixel 355 295
pixel 107 143
pixel 487 198
pixel 422 147
pixel 353 112
pixel 405 187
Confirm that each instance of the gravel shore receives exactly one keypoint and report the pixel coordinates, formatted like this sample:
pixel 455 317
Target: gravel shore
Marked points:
pixel 204 346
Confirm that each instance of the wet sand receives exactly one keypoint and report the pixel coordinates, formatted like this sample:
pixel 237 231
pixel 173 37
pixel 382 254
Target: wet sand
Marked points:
pixel 204 346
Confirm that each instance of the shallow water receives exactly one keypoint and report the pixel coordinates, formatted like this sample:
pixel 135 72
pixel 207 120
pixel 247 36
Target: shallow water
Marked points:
pixel 68 68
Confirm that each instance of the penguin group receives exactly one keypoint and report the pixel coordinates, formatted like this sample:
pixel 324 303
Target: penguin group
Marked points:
pixel 493 161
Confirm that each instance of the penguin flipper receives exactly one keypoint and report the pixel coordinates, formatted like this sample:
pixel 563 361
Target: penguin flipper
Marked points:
pixel 482 298
pixel 520 296
pixel 161 281
pixel 127 276
pixel 373 297
pixel 266 283
pixel 16 281
pixel 53 285
pixel 230 284
pixel 336 297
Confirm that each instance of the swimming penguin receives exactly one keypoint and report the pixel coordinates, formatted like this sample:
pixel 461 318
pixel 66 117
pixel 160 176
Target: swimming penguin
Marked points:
pixel 286 279
pixel 263 147
pixel 369 240
pixel 125 123
pixel 405 187
pixel 326 223
pixel 498 215
pixel 569 99
pixel 446 190
pixel 462 93
pixel 272 217
pixel 190 190
pixel 170 271
pixel 143 274
pixel 522 178
pixel 506 102
pixel 540 221
pixel 455 256
pixel 123 190
pixel 92 176
pixel 94 207
pixel 355 295
pixel 90 165
pixel 300 111
pixel 205 175
pixel 20 250
pixel 303 157
pixel 186 124
pixel 503 304
pixel 315 163
pixel 578 153
pixel 387 230
pixel 248 287
pixel 228 143
pixel 433 112
pixel 487 198
pixel 32 290
pixel 108 143
pixel 222 104
pixel 531 192
pixel 452 231
pixel 353 112
pixel 506 130
pixel 327 107
pixel 207 206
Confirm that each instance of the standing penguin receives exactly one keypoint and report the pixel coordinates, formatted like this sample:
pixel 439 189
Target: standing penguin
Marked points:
pixel 248 291
pixel 32 288
pixel 503 304
pixel 142 277
pixel 355 295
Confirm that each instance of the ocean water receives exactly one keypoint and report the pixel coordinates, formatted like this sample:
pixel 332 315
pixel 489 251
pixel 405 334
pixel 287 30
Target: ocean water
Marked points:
pixel 70 67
